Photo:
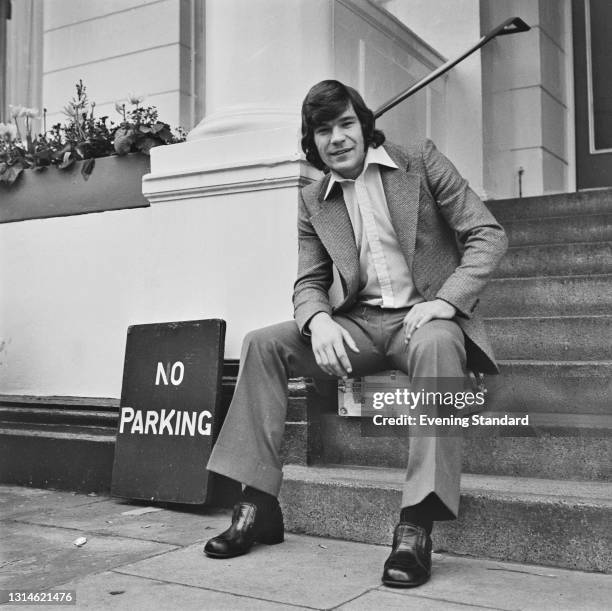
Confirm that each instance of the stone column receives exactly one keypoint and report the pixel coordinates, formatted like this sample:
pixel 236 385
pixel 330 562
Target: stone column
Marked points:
pixel 527 113
pixel 261 57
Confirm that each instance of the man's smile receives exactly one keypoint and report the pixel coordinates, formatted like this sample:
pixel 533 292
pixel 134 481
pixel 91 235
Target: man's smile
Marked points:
pixel 341 152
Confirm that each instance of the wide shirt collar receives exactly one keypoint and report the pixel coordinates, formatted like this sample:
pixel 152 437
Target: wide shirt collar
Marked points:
pixel 377 156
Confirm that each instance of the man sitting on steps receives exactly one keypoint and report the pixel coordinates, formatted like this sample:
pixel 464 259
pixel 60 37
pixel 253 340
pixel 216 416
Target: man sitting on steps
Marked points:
pixel 414 247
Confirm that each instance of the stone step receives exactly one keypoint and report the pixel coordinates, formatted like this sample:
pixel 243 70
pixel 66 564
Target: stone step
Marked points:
pixel 547 296
pixel 552 338
pixel 596 201
pixel 560 230
pixel 580 387
pixel 540 521
pixel 79 458
pixel 572 442
pixel 66 417
pixel 52 456
pixel 557 260
pixel 68 443
pixel 553 446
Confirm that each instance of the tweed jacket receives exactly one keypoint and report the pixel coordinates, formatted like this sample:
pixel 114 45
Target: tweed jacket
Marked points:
pixel 450 240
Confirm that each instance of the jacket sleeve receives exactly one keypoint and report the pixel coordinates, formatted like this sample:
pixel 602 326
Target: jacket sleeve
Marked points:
pixel 315 275
pixel 483 240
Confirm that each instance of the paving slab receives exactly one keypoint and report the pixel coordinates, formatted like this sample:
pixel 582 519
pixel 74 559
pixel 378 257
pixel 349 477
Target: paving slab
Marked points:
pixel 176 526
pixel 111 590
pixel 35 557
pixel 512 586
pixel 390 600
pixel 322 574
pixel 18 501
pixel 308 571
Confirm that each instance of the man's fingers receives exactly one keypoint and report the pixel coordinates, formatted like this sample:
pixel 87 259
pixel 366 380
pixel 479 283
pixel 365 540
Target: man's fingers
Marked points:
pixel 409 323
pixel 319 360
pixel 413 325
pixel 426 318
pixel 322 357
pixel 344 362
pixel 333 362
pixel 323 362
pixel 350 342
pixel 329 349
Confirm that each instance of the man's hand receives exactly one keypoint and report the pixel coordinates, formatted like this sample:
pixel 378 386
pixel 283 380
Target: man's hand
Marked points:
pixel 422 313
pixel 328 339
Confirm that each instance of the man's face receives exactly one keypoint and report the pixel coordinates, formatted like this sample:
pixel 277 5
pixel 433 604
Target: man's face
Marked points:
pixel 340 144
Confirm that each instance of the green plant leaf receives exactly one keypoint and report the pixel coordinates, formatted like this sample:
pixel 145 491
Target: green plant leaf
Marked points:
pixel 146 144
pixel 58 156
pixel 165 134
pixel 87 168
pixel 67 161
pixel 123 144
pixel 10 174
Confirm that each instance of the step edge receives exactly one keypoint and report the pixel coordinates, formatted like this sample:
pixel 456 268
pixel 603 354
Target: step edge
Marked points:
pixel 102 436
pixel 371 477
pixel 559 317
pixel 42 411
pixel 514 362
pixel 67 400
pixel 578 194
pixel 596 276
pixel 574 215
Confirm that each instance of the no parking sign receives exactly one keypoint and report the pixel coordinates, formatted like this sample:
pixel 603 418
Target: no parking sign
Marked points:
pixel 170 411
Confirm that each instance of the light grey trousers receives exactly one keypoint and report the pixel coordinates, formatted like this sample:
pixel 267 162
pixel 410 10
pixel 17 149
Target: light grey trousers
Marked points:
pixel 248 446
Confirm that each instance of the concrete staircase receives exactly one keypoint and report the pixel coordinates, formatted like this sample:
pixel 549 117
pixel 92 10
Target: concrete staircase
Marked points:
pixel 544 497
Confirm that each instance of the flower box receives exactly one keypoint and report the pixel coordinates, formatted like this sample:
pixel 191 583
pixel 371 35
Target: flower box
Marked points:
pixel 115 184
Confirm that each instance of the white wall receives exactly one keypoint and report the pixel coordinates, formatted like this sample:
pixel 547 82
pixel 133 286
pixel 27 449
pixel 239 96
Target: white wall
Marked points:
pixel 71 286
pixel 451 27
pixel 118 47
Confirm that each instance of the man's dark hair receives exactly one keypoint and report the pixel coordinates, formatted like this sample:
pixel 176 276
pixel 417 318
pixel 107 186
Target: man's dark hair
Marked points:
pixel 326 101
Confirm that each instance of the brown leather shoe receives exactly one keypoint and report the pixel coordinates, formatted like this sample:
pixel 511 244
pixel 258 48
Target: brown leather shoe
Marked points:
pixel 250 525
pixel 409 564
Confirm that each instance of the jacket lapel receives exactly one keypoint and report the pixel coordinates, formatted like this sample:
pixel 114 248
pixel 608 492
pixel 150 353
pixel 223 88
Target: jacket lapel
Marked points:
pixel 333 226
pixel 402 191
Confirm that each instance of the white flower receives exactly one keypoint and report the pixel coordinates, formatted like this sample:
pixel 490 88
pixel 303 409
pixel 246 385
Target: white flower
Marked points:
pixel 135 98
pixel 16 111
pixel 120 106
pixel 31 113
pixel 70 110
pixel 8 131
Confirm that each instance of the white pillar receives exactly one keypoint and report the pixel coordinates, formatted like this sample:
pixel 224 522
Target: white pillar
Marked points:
pixel 261 58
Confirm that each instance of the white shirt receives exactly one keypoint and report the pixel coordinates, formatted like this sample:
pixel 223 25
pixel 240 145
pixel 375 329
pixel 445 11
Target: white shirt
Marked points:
pixel 385 279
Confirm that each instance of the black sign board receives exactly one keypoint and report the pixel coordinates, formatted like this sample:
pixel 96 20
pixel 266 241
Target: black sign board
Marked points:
pixel 170 411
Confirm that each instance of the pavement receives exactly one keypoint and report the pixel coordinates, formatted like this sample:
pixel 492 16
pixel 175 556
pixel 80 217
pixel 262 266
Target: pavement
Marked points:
pixel 138 556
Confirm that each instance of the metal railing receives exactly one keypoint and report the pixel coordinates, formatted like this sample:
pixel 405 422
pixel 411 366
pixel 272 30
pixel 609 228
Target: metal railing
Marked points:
pixel 514 25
